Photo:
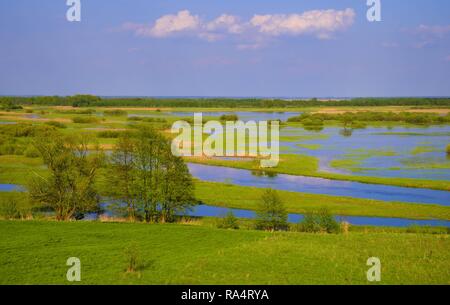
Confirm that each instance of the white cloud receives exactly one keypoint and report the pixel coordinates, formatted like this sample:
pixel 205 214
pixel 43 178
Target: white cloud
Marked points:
pixel 317 22
pixel 434 30
pixel 167 25
pixel 320 23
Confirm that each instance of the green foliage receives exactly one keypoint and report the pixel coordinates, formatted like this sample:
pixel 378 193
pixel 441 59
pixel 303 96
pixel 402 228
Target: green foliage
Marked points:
pixel 356 120
pixel 115 112
pixel 228 222
pixel 229 117
pixel 271 214
pixel 148 178
pixel 448 149
pixel 69 187
pixel 89 100
pixel 132 257
pixel 31 152
pixel 10 210
pixel 322 221
pixel 56 124
pixel 109 134
pixel 147 120
pixel 85 120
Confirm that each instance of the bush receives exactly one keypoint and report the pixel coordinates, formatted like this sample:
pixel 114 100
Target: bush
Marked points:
pixel 116 112
pixel 9 210
pixel 321 221
pixel 56 124
pixel 229 117
pixel 448 149
pixel 132 258
pixel 85 120
pixel 271 214
pixel 31 152
pixel 228 222
pixel 109 134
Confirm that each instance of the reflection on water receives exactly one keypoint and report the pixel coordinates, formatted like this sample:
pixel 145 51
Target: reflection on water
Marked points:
pixel 319 185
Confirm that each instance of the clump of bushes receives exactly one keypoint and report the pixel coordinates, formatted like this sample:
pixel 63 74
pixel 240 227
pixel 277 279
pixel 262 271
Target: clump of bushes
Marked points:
pixel 115 112
pixel 85 120
pixel 354 119
pixel 31 152
pixel 228 222
pixel 56 124
pixel 147 120
pixel 10 210
pixel 109 134
pixel 229 117
pixel 319 222
pixel 448 149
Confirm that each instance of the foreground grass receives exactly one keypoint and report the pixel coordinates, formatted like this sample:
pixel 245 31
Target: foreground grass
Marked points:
pixel 242 197
pixel 36 253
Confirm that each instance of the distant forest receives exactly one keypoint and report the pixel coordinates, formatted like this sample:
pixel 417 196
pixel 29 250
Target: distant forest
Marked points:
pixel 95 101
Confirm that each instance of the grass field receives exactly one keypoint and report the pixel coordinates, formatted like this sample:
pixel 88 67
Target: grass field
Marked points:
pixel 36 253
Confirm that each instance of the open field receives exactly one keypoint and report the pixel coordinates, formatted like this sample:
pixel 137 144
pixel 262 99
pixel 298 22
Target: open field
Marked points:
pixel 36 252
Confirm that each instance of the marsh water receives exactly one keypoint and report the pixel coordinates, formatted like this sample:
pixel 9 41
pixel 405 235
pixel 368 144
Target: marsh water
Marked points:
pixel 402 152
pixel 319 185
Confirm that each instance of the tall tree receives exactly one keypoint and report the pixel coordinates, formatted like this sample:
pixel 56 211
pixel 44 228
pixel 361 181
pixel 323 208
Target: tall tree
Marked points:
pixel 69 187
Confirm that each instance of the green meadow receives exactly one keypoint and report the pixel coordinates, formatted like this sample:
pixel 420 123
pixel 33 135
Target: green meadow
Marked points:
pixel 36 252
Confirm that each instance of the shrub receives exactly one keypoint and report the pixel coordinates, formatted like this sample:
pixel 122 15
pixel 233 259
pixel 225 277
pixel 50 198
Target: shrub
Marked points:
pixel 321 221
pixel 109 134
pixel 56 124
pixel 228 222
pixel 448 149
pixel 132 258
pixel 85 120
pixel 9 210
pixel 115 112
pixel 31 152
pixel 271 214
pixel 229 117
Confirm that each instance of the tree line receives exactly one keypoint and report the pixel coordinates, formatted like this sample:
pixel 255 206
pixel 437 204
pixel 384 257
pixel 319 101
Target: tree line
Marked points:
pixel 12 102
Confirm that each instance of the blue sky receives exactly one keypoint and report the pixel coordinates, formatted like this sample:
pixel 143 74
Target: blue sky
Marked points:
pixel 225 48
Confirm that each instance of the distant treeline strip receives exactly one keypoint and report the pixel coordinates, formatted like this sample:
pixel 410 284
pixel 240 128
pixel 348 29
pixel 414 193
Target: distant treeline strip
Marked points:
pixel 93 101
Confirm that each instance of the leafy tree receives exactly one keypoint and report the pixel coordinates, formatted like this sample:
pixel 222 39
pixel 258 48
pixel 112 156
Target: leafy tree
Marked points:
pixel 69 187
pixel 151 181
pixel 271 214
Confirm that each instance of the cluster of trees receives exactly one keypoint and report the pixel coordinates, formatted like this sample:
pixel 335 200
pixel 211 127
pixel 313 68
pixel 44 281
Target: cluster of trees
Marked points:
pixel 90 100
pixel 142 176
pixel 152 183
pixel 355 119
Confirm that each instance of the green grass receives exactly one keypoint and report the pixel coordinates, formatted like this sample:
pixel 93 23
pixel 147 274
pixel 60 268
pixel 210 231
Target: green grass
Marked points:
pixel 241 197
pixel 36 253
